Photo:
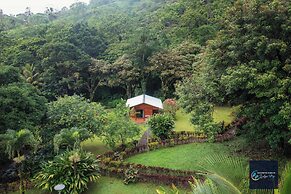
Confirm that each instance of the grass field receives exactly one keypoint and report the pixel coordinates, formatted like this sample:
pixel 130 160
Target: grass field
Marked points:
pixel 187 157
pixel 183 123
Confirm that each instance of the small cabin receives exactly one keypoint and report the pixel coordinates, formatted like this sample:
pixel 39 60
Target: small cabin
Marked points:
pixel 143 106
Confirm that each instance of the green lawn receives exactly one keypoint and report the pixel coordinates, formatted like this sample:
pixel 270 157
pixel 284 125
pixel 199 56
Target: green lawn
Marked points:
pixel 183 123
pixel 223 113
pixel 187 157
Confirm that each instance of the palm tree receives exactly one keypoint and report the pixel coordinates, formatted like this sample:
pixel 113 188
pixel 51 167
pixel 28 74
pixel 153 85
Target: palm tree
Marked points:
pixel 224 175
pixel 30 75
pixel 16 143
pixel 70 138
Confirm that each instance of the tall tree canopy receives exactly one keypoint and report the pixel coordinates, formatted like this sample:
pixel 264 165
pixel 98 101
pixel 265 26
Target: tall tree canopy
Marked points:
pixel 250 61
pixel 21 105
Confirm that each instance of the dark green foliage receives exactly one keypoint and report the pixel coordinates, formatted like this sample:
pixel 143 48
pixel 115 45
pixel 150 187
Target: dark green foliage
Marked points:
pixel 23 51
pixel 161 125
pixel 9 74
pixel 63 64
pixel 85 38
pixel 59 44
pixel 75 169
pixel 74 111
pixel 21 106
pixel 250 59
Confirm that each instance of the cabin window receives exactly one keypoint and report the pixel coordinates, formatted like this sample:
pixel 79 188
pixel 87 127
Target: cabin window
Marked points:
pixel 139 113
pixel 155 112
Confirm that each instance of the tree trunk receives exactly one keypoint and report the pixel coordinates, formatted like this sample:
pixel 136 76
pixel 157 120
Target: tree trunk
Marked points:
pixel 21 183
pixel 128 90
pixel 164 88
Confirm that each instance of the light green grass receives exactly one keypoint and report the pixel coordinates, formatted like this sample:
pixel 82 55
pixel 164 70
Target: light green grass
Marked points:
pixel 183 123
pixel 186 157
pixel 286 187
pixel 223 113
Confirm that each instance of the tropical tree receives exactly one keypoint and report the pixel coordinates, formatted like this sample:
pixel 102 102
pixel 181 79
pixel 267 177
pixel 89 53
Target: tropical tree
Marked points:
pixel 62 64
pixel 250 59
pixel 96 76
pixel 9 74
pixel 173 65
pixel 118 127
pixel 70 138
pixel 197 95
pixel 142 48
pixel 219 180
pixel 21 106
pixel 161 125
pixel 18 144
pixel 75 169
pixel 124 74
pixel 30 75
pixel 74 111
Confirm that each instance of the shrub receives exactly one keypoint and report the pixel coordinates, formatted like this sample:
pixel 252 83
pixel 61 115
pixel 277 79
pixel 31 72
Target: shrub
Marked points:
pixel 153 145
pixel 130 175
pixel 170 107
pixel 75 169
pixel 161 125
pixel 70 138
pixel 74 111
pixel 119 128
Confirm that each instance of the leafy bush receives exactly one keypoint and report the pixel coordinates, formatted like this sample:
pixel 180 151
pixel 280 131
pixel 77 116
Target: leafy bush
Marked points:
pixel 161 125
pixel 130 175
pixel 21 106
pixel 170 107
pixel 114 103
pixel 74 111
pixel 18 143
pixel 75 169
pixel 119 128
pixel 70 138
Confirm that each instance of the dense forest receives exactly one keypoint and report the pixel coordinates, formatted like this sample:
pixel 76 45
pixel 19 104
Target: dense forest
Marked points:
pixel 85 49
pixel 201 52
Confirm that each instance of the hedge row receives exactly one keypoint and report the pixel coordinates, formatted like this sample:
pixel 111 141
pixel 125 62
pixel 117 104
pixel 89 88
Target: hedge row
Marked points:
pixel 153 174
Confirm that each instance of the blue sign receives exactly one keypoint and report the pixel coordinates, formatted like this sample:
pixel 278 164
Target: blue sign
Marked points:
pixel 263 174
